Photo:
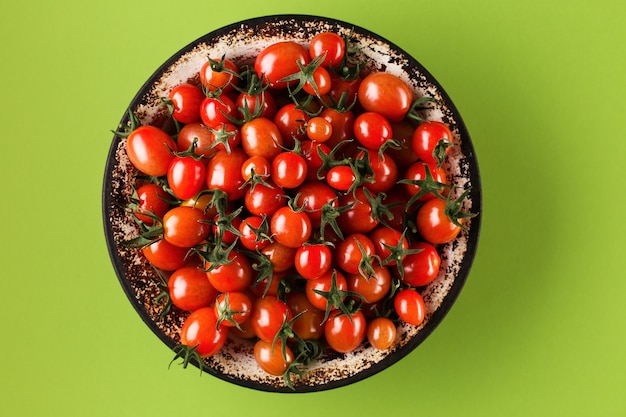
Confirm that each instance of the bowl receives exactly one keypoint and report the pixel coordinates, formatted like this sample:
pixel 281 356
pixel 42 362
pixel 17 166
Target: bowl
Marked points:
pixel 241 41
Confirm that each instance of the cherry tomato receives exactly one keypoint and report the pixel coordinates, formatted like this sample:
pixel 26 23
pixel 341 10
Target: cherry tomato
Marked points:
pixel 255 166
pixel 351 252
pixel 341 177
pixel 345 332
pixel 261 137
pixel 264 199
pixel 423 267
pixel 219 74
pixel 417 172
pixel 152 199
pixel 190 289
pixel 312 196
pixel 289 227
pixel 319 129
pixel 235 275
pixel 381 333
pixel 409 305
pixel 403 154
pixel 186 99
pixel 385 171
pixel 291 122
pixel 280 256
pixel 186 176
pixel 313 160
pixel 150 150
pixel 280 60
pixel 270 357
pixel 165 256
pixel 384 239
pixel 427 141
pixel 215 111
pixel 309 324
pixel 232 308
pixel 343 90
pixel 201 134
pixel 251 102
pixel 329 44
pixel 185 226
pixel 372 130
pixel 200 330
pixel 224 173
pixel 322 81
pixel 358 218
pixel 433 224
pixel 323 284
pixel 289 169
pixel 252 236
pixel 313 261
pixel 374 288
pixel 268 315
pixel 386 94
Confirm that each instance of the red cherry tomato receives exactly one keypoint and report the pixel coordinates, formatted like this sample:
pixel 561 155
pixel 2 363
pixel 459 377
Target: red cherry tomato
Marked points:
pixel 381 333
pixel 421 268
pixel 234 275
pixel 152 199
pixel 345 332
pixel 289 169
pixel 200 330
pixel 290 228
pixel 329 44
pixel 186 99
pixel 185 226
pixel 409 305
pixel 186 176
pixel 386 94
pixel 190 289
pixel 431 141
pixel 434 224
pixel 313 261
pixel 150 150
pixel 268 315
pixel 272 358
pixel 280 60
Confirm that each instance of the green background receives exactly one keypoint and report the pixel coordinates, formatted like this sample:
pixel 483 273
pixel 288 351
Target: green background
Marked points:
pixel 539 328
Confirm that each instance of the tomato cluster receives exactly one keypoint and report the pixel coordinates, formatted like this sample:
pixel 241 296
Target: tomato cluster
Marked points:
pixel 298 202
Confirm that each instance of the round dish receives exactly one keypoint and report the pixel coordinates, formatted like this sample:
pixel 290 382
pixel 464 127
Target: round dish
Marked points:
pixel 242 41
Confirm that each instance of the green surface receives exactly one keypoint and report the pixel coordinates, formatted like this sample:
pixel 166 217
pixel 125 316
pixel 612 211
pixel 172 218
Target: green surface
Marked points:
pixel 539 329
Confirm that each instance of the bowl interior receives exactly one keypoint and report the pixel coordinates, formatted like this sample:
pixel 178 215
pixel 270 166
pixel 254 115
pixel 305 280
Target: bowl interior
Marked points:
pixel 241 42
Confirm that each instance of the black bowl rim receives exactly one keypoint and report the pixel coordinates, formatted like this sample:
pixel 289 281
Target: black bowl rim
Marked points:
pixel 472 240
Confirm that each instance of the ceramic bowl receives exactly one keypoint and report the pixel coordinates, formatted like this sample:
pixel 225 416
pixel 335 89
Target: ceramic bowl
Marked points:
pixel 242 41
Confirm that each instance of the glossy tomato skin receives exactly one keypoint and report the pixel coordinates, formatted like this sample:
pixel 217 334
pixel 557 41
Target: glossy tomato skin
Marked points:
pixel 236 275
pixel 385 171
pixel 214 111
pixel 323 284
pixel 279 60
pixel 372 130
pixel 280 256
pixel 200 330
pixel 426 137
pixel 384 238
pixel 268 315
pixel 409 305
pixel 152 199
pixel 341 177
pixel 232 308
pixel 289 169
pixel 265 99
pixel 417 172
pixel 423 267
pixel 314 260
pixel 190 289
pixel 291 122
pixel 358 218
pixel 350 252
pixel 290 228
pixel 309 325
pixel 342 125
pixel 150 150
pixel 329 44
pixel 264 200
pixel 381 333
pixel 312 196
pixel 186 176
pixel 261 137
pixel 270 357
pixel 374 288
pixel 186 99
pixel 219 77
pixel 386 94
pixel 203 137
pixel 433 224
pixel 165 256
pixel 185 226
pixel 344 333
pixel 310 152
pixel 250 238
pixel 224 173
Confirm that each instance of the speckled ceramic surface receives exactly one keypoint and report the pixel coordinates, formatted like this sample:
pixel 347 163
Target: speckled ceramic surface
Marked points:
pixel 241 42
